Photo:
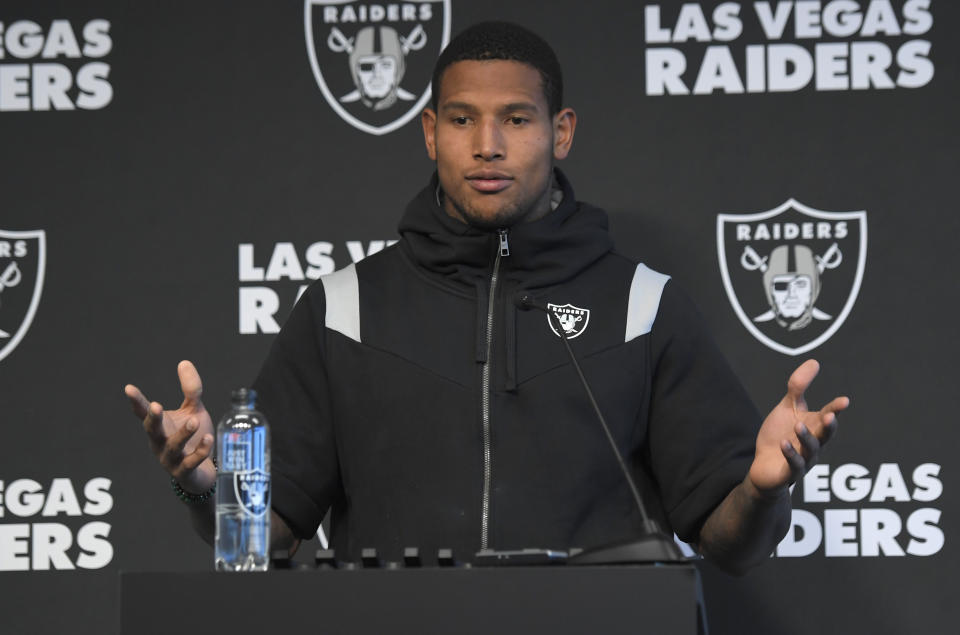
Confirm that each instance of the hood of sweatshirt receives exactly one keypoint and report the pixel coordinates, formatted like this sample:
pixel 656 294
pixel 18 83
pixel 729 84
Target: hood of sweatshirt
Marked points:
pixel 544 252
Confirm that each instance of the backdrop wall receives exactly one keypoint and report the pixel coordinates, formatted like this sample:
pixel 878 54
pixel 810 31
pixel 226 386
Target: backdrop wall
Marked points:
pixel 171 174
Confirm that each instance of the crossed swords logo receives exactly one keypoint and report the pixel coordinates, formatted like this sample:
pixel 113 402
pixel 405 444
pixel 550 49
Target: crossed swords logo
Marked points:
pixel 10 278
pixel 752 261
pixel 340 43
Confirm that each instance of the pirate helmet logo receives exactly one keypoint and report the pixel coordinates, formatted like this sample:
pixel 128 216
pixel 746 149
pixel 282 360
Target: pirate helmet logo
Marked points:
pixel 791 282
pixel 252 490
pixel 803 271
pixel 377 64
pixel 22 264
pixel 365 57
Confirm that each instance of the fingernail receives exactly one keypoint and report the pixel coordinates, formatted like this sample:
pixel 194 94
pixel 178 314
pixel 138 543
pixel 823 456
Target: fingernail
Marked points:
pixel 192 425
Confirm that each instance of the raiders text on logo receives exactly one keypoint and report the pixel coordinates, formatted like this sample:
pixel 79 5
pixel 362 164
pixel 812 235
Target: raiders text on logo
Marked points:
pixel 373 62
pixel 573 319
pixel 792 273
pixel 22 261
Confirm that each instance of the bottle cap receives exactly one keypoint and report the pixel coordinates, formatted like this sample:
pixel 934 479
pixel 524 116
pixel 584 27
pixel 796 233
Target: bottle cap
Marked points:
pixel 244 397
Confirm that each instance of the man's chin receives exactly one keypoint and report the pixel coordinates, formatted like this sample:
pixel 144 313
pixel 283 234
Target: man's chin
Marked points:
pixel 501 219
pixel 491 219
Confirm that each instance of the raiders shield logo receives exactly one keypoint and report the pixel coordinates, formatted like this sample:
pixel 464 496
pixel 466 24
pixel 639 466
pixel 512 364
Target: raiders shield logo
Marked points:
pixel 792 273
pixel 572 319
pixel 252 488
pixel 373 62
pixel 22 260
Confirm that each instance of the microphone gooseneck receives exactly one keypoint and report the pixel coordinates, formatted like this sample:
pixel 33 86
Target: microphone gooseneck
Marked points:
pixel 655 546
pixel 527 303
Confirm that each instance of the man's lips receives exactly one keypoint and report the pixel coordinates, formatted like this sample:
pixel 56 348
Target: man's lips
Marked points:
pixel 489 181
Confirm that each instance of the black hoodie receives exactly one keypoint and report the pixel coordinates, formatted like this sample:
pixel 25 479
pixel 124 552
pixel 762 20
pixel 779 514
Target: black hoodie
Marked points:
pixel 411 395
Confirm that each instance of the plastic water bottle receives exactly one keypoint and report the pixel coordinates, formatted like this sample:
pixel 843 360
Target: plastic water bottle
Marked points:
pixel 243 487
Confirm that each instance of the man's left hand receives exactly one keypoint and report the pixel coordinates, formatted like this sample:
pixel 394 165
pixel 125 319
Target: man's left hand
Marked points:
pixel 791 436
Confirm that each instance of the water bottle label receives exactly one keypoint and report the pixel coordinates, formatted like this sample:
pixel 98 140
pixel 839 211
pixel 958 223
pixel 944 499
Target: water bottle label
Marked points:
pixel 252 488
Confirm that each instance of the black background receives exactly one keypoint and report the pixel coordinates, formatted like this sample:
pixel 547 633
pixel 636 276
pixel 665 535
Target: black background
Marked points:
pixel 217 134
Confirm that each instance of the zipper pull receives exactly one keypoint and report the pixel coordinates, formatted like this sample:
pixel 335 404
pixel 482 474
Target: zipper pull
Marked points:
pixel 504 245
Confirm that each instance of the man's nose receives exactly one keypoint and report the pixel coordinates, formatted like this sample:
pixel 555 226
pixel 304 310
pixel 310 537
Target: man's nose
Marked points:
pixel 488 141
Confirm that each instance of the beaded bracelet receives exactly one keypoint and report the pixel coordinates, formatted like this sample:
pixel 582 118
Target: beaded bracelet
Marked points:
pixel 187 497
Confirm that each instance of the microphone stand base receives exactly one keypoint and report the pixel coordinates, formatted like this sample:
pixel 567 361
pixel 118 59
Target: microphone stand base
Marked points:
pixel 649 549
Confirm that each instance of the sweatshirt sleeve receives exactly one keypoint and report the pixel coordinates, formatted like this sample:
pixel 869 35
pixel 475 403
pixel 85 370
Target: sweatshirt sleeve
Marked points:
pixel 293 393
pixel 703 425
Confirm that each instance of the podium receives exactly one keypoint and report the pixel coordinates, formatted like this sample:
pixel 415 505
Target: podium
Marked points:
pixel 503 600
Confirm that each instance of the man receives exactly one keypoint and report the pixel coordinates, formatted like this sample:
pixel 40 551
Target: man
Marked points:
pixel 411 396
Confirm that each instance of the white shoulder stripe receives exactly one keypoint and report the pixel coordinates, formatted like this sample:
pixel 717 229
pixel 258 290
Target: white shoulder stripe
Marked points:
pixel 343 302
pixel 645 292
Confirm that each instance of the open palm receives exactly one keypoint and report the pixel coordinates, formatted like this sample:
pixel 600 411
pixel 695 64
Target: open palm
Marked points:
pixel 181 439
pixel 791 436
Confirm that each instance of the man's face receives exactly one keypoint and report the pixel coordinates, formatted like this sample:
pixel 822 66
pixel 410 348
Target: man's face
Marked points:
pixel 792 294
pixel 495 142
pixel 377 74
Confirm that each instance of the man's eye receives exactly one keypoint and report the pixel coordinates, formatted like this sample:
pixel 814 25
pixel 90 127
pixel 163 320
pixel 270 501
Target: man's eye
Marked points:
pixel 460 121
pixel 517 121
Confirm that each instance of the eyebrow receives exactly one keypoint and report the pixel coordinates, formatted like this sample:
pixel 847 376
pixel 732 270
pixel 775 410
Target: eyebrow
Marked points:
pixel 458 105
pixel 524 106
pixel 521 105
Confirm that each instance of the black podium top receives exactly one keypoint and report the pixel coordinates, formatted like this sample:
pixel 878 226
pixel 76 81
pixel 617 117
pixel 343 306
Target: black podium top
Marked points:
pixel 550 599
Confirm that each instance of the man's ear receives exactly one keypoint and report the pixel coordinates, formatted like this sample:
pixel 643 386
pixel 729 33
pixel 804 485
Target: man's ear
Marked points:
pixel 564 125
pixel 428 119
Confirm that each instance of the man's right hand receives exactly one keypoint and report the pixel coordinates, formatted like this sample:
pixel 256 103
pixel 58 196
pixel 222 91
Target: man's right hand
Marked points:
pixel 182 439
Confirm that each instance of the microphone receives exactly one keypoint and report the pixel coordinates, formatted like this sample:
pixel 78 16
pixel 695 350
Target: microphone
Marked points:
pixel 653 545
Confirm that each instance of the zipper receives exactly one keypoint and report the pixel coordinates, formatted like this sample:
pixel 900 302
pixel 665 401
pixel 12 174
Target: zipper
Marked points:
pixel 503 251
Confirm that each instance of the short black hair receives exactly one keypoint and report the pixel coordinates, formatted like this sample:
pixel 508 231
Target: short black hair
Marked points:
pixel 504 41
